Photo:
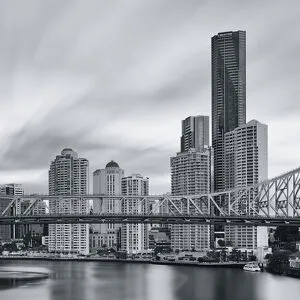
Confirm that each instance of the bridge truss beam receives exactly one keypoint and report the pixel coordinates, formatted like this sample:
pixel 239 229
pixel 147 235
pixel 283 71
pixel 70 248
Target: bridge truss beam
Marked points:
pixel 267 202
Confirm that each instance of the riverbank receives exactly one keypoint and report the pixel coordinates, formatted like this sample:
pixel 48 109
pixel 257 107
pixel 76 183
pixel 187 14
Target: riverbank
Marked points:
pixel 236 265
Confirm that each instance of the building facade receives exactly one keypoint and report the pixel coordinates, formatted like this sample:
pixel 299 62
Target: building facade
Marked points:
pixel 191 175
pixel 228 93
pixel 246 163
pixel 106 182
pixel 68 175
pixel 14 231
pixel 195 133
pixel 135 237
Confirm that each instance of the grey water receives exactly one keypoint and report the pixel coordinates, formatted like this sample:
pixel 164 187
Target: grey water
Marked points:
pixel 105 281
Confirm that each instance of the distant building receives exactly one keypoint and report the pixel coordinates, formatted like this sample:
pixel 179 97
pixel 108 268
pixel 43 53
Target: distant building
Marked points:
pixel 106 182
pixel 191 175
pixel 135 237
pixel 5 230
pixel 14 231
pixel 68 175
pixel 13 189
pixel 246 163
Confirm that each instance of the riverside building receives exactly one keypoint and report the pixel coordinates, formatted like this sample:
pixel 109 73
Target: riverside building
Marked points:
pixel 246 163
pixel 107 182
pixel 191 175
pixel 135 237
pixel 68 175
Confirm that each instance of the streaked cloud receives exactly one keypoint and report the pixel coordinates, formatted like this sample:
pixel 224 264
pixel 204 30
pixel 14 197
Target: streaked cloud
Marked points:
pixel 113 79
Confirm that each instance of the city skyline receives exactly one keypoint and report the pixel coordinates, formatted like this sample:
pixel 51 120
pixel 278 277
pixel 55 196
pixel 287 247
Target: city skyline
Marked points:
pixel 45 91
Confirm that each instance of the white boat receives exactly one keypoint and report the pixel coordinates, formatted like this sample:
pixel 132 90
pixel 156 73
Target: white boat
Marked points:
pixel 252 267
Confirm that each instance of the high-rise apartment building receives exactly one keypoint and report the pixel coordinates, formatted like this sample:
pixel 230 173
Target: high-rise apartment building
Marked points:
pixel 191 175
pixel 228 93
pixel 106 182
pixel 246 163
pixel 68 175
pixel 195 133
pixel 135 237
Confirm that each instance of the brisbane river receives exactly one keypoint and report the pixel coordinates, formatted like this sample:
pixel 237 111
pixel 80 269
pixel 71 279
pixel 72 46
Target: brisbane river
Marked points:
pixel 104 281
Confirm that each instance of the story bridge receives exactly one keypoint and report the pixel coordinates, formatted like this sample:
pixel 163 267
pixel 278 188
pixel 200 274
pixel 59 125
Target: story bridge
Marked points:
pixel 272 202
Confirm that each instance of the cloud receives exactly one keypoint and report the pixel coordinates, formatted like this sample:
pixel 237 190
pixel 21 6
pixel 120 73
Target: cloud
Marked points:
pixel 113 80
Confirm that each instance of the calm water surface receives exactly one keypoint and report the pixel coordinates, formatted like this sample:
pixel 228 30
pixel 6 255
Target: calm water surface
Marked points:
pixel 105 281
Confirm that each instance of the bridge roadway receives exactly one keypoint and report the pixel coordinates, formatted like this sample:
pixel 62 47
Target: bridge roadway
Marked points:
pixel 150 219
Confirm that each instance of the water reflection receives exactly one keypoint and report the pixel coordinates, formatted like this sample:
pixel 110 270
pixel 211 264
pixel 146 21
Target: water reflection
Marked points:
pixel 104 281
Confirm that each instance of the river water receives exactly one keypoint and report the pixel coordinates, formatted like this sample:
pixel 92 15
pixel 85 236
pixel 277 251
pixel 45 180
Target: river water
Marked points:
pixel 105 281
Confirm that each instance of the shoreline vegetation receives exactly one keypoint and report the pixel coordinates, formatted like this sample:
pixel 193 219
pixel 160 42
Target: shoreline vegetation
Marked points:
pixel 238 265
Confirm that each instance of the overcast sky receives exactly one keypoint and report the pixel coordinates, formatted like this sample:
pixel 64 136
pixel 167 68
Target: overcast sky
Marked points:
pixel 114 79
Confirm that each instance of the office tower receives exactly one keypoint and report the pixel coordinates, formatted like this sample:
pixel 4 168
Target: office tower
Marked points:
pixel 195 133
pixel 68 175
pixel 228 93
pixel 191 175
pixel 246 163
pixel 106 182
pixel 135 237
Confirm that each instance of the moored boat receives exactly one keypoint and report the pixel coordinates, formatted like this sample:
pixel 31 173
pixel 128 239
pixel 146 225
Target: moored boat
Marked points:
pixel 252 267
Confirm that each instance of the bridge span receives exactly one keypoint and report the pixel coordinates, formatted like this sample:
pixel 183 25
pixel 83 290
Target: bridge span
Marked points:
pixel 272 202
pixel 150 219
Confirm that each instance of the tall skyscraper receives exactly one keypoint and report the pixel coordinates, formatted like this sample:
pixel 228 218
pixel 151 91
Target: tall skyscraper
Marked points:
pixel 246 163
pixel 107 182
pixel 195 133
pixel 68 175
pixel 228 93
pixel 135 237
pixel 191 175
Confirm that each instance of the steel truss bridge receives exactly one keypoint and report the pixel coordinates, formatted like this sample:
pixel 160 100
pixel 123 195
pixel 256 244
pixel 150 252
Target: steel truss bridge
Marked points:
pixel 272 202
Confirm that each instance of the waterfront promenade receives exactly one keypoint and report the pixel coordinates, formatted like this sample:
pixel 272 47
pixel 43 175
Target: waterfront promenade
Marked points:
pixel 130 261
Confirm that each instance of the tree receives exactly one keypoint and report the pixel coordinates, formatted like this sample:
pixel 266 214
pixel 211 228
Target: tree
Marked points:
pixel 223 255
pixel 287 233
pixel 285 237
pixel 279 262
pixel 221 243
pixel 252 258
pixel 11 247
pixel 200 259
pixel 235 255
pixel 121 254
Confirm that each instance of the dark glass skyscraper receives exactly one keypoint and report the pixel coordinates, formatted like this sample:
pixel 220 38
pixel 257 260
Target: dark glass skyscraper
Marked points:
pixel 228 93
